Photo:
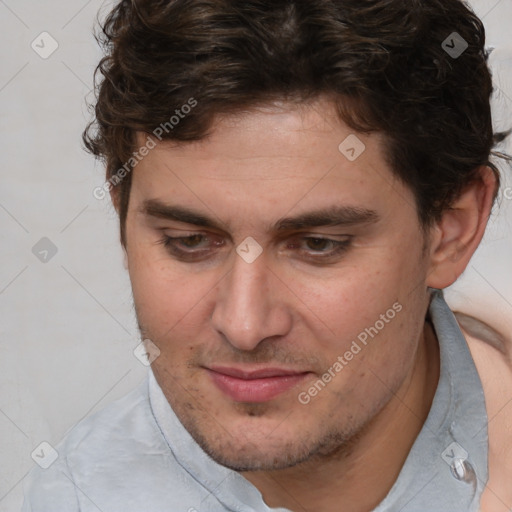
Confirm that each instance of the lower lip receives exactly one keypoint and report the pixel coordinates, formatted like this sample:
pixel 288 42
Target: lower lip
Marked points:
pixel 255 390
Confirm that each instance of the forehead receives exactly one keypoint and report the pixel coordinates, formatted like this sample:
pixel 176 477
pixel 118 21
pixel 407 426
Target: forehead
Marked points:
pixel 273 133
pixel 278 157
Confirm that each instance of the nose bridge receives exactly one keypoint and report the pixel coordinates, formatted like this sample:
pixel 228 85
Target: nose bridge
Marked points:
pixel 246 295
pixel 246 310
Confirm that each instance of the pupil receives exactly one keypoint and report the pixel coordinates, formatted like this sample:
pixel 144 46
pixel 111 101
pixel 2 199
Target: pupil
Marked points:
pixel 317 243
pixel 192 240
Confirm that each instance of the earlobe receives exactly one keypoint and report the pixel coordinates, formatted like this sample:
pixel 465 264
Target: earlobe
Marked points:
pixel 457 235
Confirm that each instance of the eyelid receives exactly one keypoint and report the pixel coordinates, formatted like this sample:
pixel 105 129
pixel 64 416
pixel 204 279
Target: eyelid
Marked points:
pixel 317 236
pixel 186 233
pixel 339 247
pixel 204 236
pixel 175 225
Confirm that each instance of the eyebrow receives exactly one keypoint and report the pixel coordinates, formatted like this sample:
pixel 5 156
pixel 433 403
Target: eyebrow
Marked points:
pixel 324 217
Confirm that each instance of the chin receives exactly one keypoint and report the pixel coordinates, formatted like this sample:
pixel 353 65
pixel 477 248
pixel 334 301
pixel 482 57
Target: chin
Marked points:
pixel 245 457
pixel 268 446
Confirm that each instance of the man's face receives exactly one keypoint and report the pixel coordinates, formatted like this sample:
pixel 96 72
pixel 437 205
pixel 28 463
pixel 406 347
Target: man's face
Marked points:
pixel 244 336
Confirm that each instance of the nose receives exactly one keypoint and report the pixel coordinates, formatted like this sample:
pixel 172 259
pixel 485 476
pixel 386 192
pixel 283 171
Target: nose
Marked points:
pixel 251 305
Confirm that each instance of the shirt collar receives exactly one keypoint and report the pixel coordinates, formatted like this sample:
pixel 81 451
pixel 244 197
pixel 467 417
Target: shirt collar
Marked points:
pixel 446 468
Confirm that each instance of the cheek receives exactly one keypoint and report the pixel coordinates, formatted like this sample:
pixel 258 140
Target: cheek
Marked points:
pixel 369 310
pixel 166 298
pixel 352 297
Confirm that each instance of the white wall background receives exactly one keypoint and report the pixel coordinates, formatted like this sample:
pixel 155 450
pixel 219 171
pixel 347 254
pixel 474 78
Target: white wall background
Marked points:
pixel 67 329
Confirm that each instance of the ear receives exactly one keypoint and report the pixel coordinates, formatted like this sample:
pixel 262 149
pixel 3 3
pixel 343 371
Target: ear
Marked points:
pixel 454 239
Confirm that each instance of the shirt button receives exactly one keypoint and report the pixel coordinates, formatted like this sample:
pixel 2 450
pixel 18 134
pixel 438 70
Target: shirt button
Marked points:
pixel 463 470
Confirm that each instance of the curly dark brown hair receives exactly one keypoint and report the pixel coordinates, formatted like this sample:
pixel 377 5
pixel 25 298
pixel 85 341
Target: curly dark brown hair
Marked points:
pixel 384 63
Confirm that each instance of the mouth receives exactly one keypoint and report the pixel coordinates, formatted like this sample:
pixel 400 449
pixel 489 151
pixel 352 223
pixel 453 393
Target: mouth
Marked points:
pixel 258 385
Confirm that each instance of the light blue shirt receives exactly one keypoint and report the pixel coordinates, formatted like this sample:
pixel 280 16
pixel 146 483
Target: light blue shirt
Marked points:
pixel 136 456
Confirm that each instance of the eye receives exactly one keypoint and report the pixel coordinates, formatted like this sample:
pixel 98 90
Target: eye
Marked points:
pixel 316 247
pixel 192 246
pixel 189 242
pixel 319 244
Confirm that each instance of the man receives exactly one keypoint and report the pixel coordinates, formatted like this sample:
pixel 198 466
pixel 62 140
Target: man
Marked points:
pixel 296 183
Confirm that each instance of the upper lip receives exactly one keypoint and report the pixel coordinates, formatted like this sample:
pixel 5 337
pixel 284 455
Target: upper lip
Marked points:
pixel 254 374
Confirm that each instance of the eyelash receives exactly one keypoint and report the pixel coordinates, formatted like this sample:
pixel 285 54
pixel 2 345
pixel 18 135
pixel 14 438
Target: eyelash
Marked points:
pixel 339 247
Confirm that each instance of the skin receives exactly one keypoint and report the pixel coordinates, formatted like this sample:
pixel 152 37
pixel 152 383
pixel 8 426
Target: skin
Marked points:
pixel 293 306
pixel 491 352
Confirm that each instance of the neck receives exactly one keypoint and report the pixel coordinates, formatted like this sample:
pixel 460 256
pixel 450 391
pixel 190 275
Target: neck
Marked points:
pixel 364 475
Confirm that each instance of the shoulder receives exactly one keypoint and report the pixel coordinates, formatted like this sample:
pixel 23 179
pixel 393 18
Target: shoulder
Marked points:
pixel 124 421
pixel 93 455
pixel 491 350
pixel 481 332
